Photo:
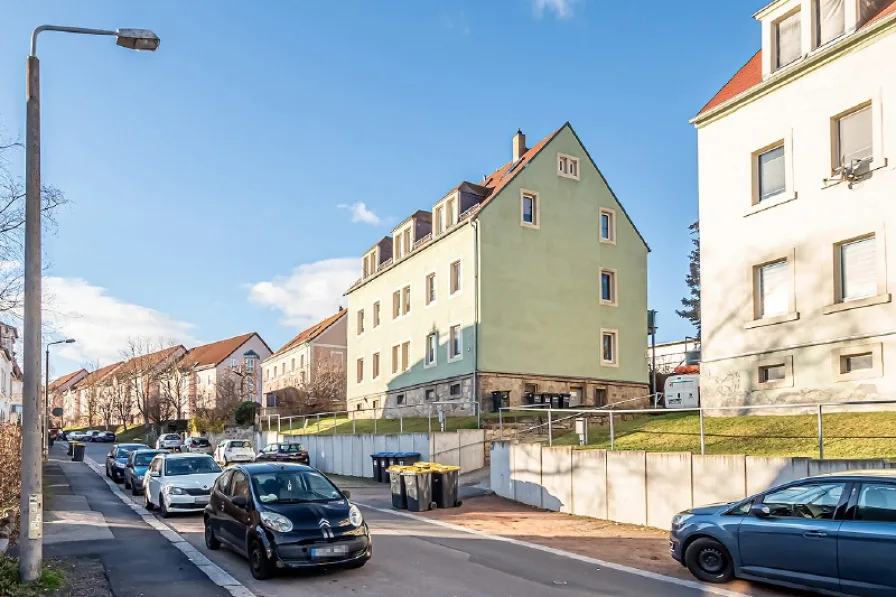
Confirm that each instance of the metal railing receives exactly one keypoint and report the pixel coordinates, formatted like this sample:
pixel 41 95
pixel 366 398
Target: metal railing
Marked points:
pixel 610 413
pixel 434 410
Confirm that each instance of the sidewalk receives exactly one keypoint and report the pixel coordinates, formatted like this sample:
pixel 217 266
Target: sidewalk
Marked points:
pixel 85 519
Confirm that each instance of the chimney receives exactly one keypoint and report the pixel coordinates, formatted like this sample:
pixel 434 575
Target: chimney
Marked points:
pixel 519 145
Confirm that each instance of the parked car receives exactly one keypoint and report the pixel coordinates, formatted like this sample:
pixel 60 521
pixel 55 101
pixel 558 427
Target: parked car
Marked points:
pixel 169 441
pixel 117 459
pixel 179 482
pixel 103 436
pixel 135 469
pixel 73 436
pixel 199 445
pixel 834 532
pixel 284 453
pixel 234 450
pixel 285 516
pixel 89 435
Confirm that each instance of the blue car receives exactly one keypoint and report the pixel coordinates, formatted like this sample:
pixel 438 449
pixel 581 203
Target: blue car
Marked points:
pixel 117 458
pixel 135 469
pixel 834 532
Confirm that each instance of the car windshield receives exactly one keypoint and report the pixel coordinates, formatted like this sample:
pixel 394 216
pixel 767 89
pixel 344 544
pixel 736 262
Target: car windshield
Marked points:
pixel 295 486
pixel 190 466
pixel 123 452
pixel 144 459
pixel 239 444
pixel 167 437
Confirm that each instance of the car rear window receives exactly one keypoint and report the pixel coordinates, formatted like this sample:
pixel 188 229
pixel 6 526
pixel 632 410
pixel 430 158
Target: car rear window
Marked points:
pixel 171 436
pixel 201 441
pixel 238 443
pixel 291 448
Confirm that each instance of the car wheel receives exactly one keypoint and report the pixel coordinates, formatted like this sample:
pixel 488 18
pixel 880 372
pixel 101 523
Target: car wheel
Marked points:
pixel 134 490
pixel 163 509
pixel 146 502
pixel 709 561
pixel 211 541
pixel 127 484
pixel 259 564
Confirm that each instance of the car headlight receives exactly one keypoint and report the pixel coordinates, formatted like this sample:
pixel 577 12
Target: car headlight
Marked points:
pixel 276 522
pixel 354 516
pixel 680 519
pixel 175 490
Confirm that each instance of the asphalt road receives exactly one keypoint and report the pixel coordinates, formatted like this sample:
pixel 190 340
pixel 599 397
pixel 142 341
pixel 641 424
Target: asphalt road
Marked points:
pixel 419 558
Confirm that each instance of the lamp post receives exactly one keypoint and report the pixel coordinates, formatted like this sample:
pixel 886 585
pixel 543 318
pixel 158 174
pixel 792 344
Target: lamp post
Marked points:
pixel 47 390
pixel 30 512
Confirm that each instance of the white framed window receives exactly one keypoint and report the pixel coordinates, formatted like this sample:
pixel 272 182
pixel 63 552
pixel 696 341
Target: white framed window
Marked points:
pixel 771 170
pixel 406 300
pixel 607 226
pixel 360 321
pixel 233 361
pixel 396 304
pixel 439 218
pixel 608 287
pixel 530 216
pixel 853 142
pixel 360 370
pixel 772 373
pixel 857 269
pixel 398 247
pixel 302 360
pixel 567 166
pixel 432 349
pixel 773 289
pixel 292 364
pixel 609 348
pixel 396 358
pixel 430 288
pixel 250 364
pixel 275 375
pixel 455 343
pixel 830 20
pixel 455 277
pixel 856 362
pixel 430 395
pixel 405 356
pixel 376 314
pixel 788 39
pixel 375 365
pixel 451 213
pixel 408 242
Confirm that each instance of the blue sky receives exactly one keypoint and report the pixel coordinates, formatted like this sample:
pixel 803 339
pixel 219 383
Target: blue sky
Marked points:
pixel 206 178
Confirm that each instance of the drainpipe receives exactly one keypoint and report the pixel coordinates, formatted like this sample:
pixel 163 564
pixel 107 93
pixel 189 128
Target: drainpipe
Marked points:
pixel 475 223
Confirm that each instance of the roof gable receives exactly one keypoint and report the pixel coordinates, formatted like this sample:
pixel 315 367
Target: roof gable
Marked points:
pixel 61 381
pixel 309 334
pixel 214 354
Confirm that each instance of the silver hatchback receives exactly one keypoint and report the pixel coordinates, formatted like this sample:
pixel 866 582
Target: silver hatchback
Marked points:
pixel 169 441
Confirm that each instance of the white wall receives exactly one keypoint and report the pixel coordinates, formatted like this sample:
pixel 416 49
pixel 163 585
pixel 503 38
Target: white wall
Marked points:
pixel 640 487
pixel 804 224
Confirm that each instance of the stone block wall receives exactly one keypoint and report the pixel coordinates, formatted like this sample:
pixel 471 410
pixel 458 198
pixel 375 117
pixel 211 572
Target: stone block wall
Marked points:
pixel 516 383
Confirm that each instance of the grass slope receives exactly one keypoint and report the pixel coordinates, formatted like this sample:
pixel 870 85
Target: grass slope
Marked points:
pixel 846 435
pixel 383 426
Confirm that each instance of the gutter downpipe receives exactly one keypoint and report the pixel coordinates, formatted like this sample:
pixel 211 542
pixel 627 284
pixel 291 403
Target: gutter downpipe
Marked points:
pixel 478 405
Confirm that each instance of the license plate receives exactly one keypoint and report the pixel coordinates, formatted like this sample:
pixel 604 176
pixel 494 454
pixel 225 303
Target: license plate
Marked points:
pixel 203 499
pixel 329 551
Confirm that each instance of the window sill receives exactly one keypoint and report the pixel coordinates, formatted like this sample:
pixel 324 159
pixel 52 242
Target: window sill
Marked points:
pixel 608 241
pixel 530 225
pixel 770 203
pixel 430 365
pixel 880 299
pixel 608 364
pixel 604 303
pixel 455 359
pixel 772 320
pixel 872 373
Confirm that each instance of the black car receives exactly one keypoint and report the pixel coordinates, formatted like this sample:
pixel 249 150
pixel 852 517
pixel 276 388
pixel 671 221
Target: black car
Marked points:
pixel 117 459
pixel 103 437
pixel 284 453
pixel 285 516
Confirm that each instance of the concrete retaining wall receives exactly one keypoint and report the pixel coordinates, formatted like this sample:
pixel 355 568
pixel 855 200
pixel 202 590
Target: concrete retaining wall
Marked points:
pixel 349 455
pixel 638 487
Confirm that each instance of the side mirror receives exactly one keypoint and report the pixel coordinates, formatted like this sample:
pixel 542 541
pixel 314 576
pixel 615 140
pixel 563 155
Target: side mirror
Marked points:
pixel 347 494
pixel 240 502
pixel 761 511
pixel 154 474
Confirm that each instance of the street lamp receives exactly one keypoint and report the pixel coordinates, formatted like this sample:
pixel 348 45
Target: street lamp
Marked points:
pixel 31 509
pixel 47 389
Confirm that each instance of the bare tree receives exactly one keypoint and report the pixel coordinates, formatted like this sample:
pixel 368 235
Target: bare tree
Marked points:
pixel 327 383
pixel 106 401
pixel 174 386
pixel 144 361
pixel 12 227
pixel 123 399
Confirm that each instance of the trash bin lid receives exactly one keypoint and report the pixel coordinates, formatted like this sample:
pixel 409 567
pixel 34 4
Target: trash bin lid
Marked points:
pixel 412 454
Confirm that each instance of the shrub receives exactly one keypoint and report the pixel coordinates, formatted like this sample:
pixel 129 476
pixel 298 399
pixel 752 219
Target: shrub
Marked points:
pixel 245 413
pixel 49 582
pixel 10 468
pixel 199 425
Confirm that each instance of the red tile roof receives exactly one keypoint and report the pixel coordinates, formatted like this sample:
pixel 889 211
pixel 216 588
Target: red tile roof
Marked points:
pixel 61 381
pixel 311 333
pixel 750 74
pixel 98 375
pixel 216 352
pixel 500 177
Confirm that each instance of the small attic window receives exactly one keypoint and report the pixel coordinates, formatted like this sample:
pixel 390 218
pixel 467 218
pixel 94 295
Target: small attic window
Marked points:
pixel 567 166
pixel 788 40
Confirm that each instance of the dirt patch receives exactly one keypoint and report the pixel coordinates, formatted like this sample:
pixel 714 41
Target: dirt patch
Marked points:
pixel 84 577
pixel 644 548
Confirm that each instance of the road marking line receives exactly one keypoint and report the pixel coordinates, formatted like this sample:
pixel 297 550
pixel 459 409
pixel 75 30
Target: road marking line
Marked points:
pixel 691 584
pixel 215 573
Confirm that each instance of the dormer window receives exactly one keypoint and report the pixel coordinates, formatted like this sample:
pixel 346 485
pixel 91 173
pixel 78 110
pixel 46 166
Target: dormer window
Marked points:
pixel 439 220
pixel 452 212
pixel 788 39
pixel 830 20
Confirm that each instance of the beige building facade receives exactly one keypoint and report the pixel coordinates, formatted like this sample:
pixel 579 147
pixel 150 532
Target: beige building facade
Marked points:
pixel 796 179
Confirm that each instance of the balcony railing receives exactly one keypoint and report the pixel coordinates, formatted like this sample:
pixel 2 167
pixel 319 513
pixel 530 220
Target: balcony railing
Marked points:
pixel 422 240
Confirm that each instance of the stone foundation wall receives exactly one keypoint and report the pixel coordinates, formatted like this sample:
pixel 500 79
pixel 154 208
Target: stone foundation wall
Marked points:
pixel 412 401
pixel 516 383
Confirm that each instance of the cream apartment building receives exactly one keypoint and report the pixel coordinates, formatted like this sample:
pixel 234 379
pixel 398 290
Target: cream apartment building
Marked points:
pixel 796 179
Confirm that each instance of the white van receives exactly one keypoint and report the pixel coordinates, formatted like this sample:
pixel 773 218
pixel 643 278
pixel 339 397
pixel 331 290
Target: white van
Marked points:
pixel 682 391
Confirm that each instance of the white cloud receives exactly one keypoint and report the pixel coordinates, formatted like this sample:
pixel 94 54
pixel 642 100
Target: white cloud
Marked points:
pixel 562 9
pixel 313 291
pixel 360 213
pixel 101 324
